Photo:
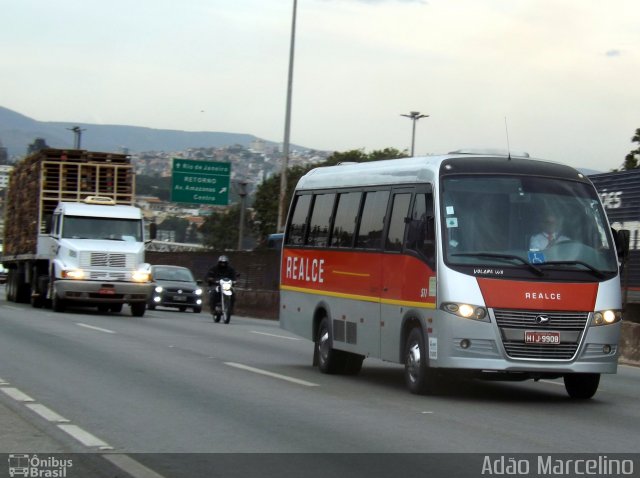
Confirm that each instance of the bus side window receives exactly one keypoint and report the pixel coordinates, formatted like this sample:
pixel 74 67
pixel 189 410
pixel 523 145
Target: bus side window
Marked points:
pixel 372 220
pixel 397 223
pixel 320 220
pixel 297 224
pixel 344 224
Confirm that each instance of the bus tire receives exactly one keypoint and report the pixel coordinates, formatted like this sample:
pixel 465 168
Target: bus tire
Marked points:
pixel 352 363
pixel 329 360
pixel 419 379
pixel 581 386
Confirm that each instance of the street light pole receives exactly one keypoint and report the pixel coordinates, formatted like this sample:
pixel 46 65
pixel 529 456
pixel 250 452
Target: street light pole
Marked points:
pixel 242 192
pixel 77 135
pixel 414 116
pixel 287 126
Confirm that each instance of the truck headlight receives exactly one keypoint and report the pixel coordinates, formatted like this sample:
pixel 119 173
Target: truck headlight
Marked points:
pixel 76 274
pixel 606 317
pixel 140 276
pixel 466 311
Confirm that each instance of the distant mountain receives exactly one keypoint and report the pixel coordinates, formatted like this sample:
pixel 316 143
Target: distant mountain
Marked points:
pixel 18 131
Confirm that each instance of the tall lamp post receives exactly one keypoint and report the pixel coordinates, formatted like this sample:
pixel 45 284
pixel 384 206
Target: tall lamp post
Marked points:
pixel 414 116
pixel 77 136
pixel 287 125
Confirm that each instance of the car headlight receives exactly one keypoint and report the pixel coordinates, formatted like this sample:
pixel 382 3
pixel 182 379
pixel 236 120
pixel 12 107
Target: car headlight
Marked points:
pixel 198 291
pixel 140 276
pixel 75 274
pixel 606 317
pixel 159 289
pixel 466 311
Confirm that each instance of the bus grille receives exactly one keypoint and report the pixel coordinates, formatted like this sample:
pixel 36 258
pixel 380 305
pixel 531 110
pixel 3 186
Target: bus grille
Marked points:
pixel 513 323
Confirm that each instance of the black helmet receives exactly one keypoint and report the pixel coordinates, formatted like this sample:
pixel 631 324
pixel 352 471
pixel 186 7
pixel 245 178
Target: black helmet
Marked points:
pixel 223 261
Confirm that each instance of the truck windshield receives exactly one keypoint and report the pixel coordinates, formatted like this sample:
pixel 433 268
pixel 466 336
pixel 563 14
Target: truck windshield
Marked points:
pixel 80 227
pixel 543 225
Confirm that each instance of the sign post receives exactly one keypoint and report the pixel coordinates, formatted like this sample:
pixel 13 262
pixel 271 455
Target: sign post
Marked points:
pixel 200 182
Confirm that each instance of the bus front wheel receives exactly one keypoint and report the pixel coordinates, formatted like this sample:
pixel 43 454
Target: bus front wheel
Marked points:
pixel 418 377
pixel 581 386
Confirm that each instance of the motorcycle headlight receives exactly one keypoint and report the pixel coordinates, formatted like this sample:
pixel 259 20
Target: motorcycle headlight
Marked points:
pixel 466 311
pixel 606 317
pixel 226 286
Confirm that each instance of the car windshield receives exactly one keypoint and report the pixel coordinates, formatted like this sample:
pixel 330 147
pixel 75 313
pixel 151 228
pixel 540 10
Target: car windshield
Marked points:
pixel 172 274
pixel 114 229
pixel 523 222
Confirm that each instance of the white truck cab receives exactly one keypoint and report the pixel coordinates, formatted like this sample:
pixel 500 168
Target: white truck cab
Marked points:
pixel 95 252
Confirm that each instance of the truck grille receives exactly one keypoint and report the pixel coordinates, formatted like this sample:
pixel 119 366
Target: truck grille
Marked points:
pixel 90 260
pixel 513 323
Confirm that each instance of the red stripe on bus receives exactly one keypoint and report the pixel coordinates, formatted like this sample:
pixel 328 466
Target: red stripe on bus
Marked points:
pixel 509 294
pixel 365 274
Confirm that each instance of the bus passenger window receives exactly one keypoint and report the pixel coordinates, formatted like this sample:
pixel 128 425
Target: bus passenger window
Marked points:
pixel 320 220
pixel 344 224
pixel 298 221
pixel 399 213
pixel 421 236
pixel 372 220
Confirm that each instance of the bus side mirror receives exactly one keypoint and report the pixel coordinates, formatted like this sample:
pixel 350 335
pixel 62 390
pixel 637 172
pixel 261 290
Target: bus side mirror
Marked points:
pixel 622 239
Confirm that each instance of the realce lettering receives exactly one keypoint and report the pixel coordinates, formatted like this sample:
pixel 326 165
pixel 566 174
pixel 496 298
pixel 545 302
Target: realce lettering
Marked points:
pixel 305 269
pixel 542 296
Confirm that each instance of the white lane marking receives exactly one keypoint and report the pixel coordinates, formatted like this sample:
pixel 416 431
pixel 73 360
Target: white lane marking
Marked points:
pixel 271 374
pixel 84 437
pixel 274 335
pixel 17 394
pixel 131 466
pixel 46 413
pixel 99 329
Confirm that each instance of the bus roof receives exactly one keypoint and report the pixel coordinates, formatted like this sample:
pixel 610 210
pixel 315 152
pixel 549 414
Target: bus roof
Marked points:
pixel 426 169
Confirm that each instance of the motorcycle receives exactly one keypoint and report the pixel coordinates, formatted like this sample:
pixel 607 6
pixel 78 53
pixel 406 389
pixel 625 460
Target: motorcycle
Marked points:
pixel 220 297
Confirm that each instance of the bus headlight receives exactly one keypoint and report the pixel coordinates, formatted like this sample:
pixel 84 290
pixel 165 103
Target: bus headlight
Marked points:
pixel 466 311
pixel 606 317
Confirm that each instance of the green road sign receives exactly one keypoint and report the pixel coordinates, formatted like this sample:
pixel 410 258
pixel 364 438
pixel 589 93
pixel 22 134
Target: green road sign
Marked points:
pixel 200 182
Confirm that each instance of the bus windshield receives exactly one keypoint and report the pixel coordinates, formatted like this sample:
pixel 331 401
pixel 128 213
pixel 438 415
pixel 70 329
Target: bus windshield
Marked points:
pixel 534 223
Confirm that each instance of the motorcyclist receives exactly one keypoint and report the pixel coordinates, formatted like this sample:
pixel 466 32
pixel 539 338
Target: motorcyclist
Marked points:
pixel 221 270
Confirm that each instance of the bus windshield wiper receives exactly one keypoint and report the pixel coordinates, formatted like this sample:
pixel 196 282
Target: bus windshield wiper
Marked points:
pixel 493 255
pixel 598 273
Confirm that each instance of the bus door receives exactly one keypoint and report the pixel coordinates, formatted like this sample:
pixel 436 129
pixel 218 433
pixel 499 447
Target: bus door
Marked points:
pixel 408 275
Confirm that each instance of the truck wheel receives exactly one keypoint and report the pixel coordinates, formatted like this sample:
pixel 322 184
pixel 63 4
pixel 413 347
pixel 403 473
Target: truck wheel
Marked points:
pixel 138 308
pixel 57 304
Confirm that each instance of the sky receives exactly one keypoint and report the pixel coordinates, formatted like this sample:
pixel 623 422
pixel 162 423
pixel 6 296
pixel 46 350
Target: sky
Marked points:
pixel 560 76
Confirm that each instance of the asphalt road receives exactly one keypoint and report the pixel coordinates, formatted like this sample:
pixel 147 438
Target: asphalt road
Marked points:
pixel 177 383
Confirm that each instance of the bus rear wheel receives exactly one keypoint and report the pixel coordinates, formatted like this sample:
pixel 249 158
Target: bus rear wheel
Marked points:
pixel 329 360
pixel 417 375
pixel 581 386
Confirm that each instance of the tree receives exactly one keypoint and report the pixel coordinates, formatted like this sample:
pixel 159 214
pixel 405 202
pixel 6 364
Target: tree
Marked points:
pixel 631 159
pixel 220 229
pixel 268 193
pixel 177 224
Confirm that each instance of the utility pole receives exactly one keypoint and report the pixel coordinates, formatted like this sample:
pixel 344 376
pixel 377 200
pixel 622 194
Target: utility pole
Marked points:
pixel 414 116
pixel 287 126
pixel 77 136
pixel 242 192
